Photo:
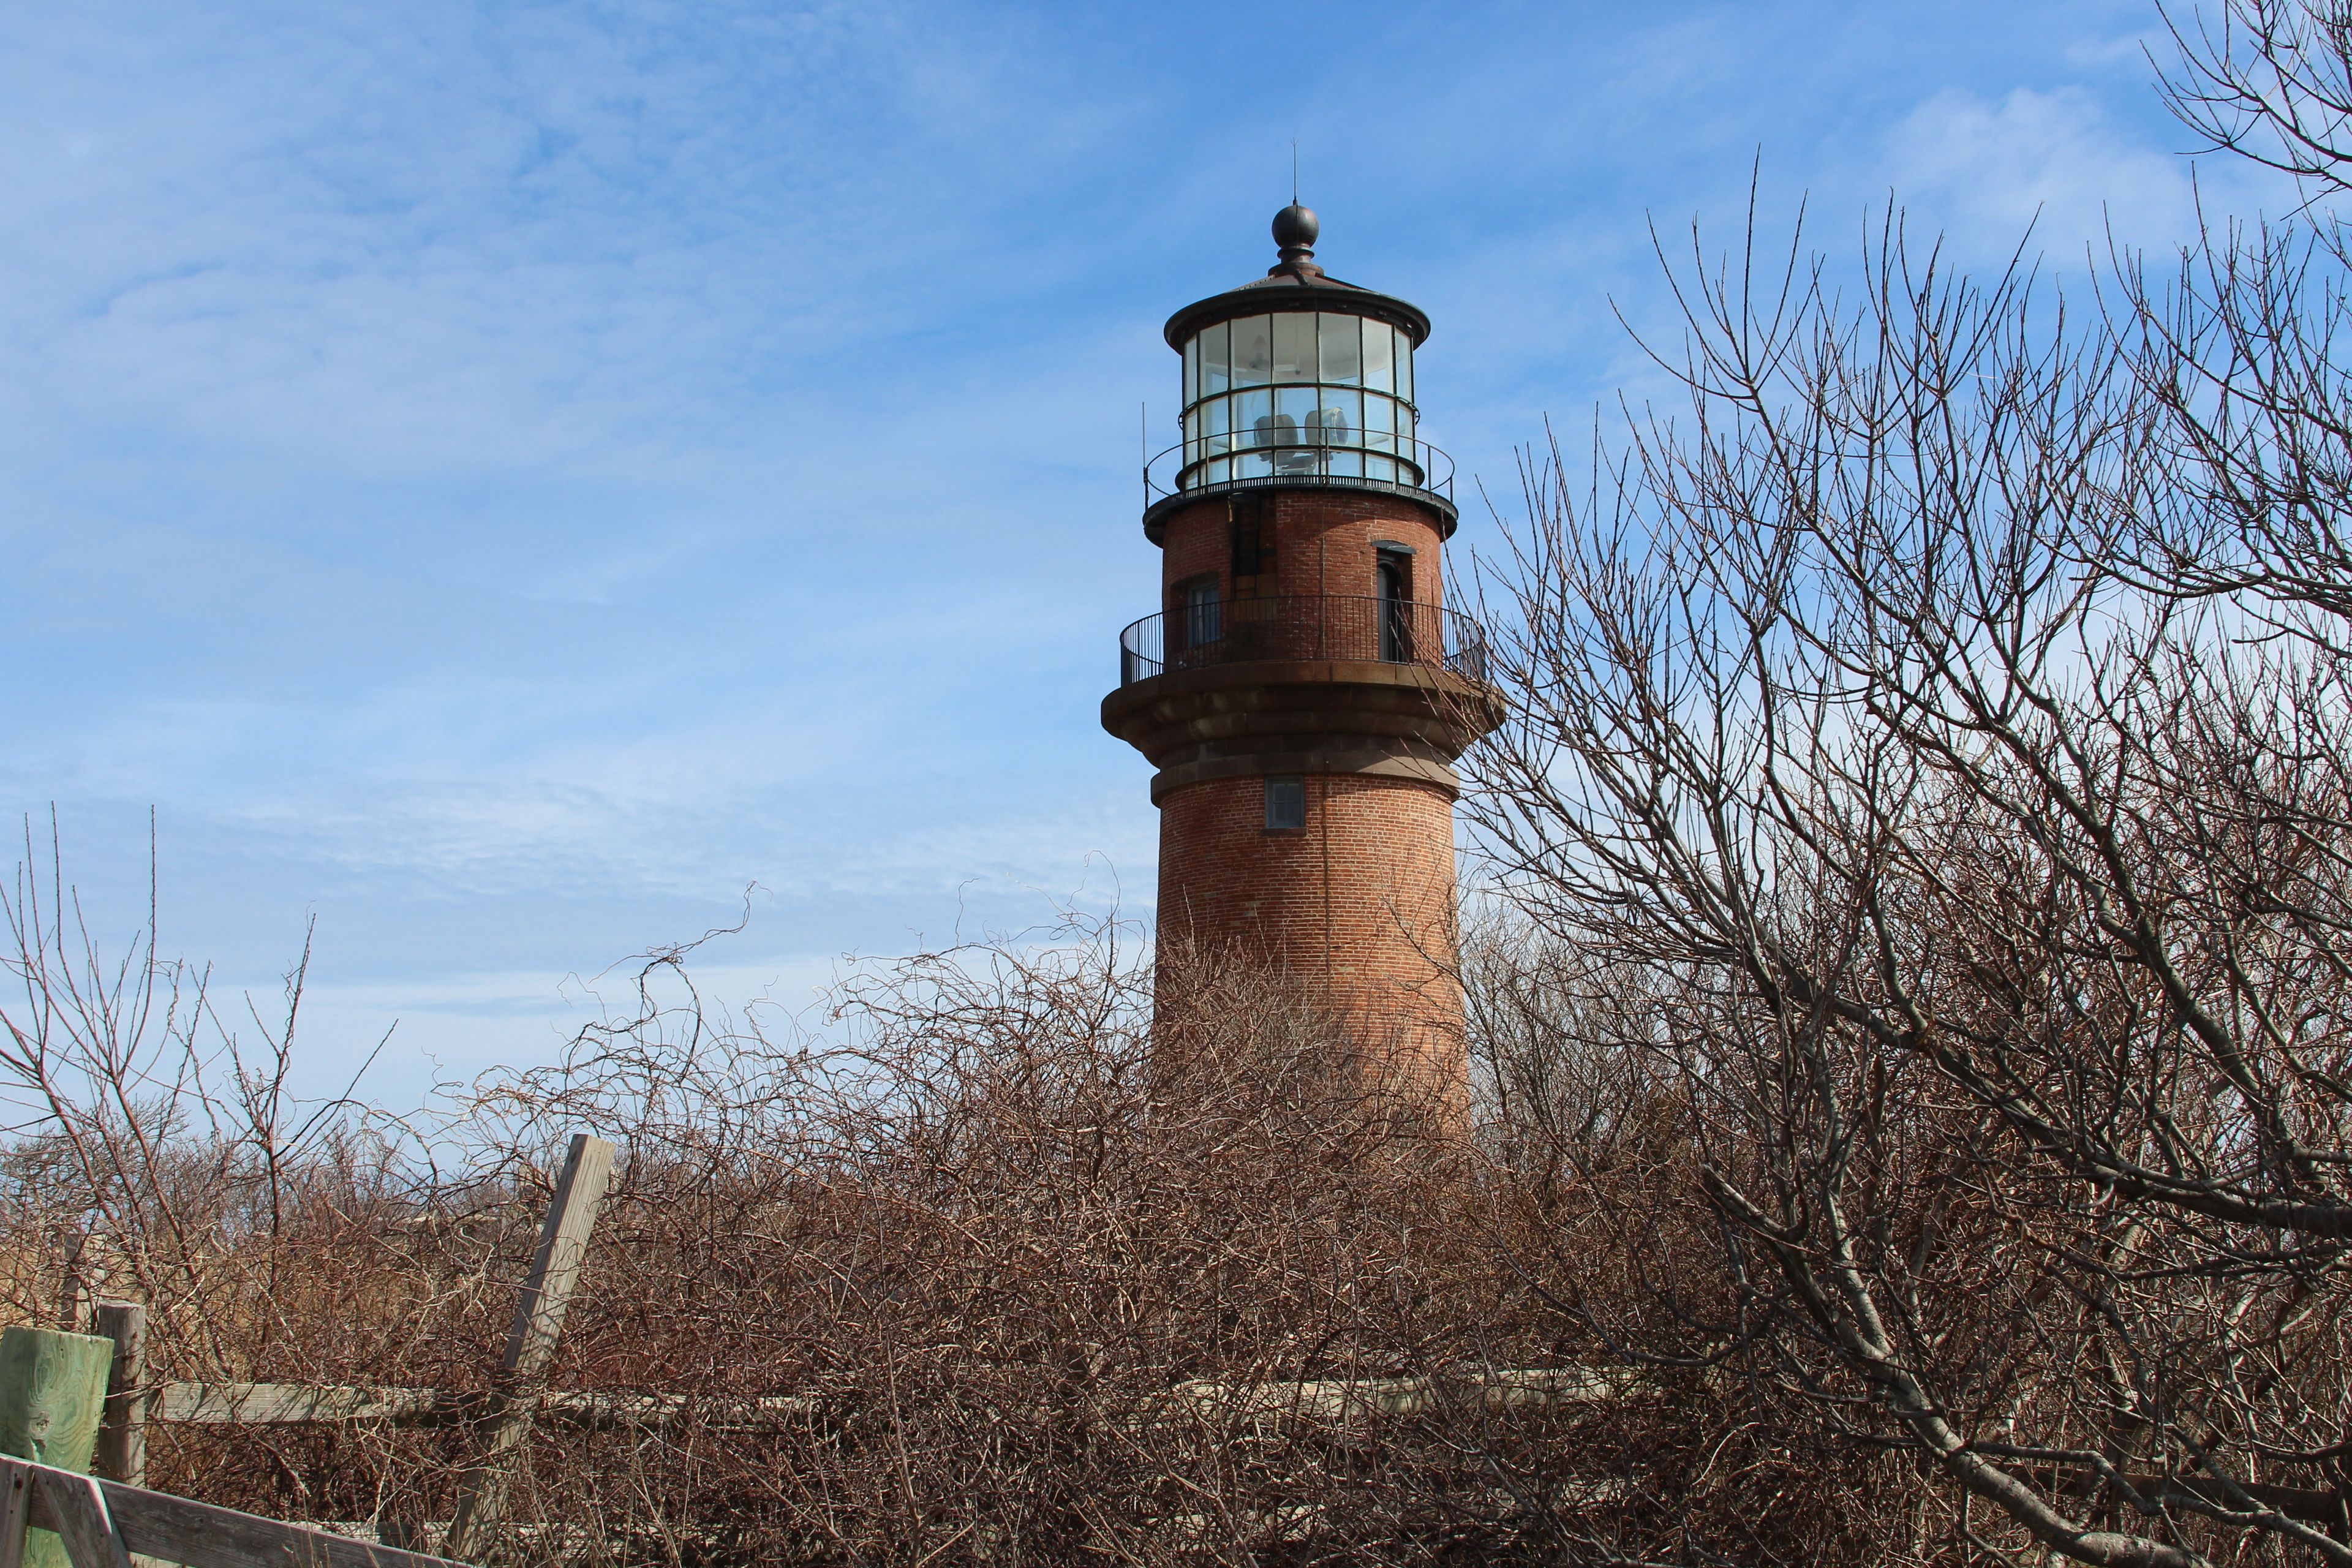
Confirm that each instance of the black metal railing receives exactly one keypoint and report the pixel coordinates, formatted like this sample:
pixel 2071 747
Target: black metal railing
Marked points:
pixel 1295 626
pixel 1310 457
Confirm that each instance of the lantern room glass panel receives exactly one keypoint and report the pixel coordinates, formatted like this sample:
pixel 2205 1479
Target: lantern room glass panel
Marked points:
pixel 1380 438
pixel 1217 361
pixel 1404 365
pixel 1296 414
pixel 1253 434
pixel 1342 340
pixel 1253 351
pixel 1380 358
pixel 1341 432
pixel 1294 347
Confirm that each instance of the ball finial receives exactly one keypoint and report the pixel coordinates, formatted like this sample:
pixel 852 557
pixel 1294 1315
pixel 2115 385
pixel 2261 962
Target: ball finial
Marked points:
pixel 1294 228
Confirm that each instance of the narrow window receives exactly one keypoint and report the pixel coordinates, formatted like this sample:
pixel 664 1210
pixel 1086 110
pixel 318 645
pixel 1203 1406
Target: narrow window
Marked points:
pixel 1204 615
pixel 1253 554
pixel 1286 805
pixel 1392 579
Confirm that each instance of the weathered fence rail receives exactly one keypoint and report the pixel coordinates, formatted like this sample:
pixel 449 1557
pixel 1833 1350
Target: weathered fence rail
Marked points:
pixel 299 1404
pixel 1345 1399
pixel 294 1404
pixel 105 1524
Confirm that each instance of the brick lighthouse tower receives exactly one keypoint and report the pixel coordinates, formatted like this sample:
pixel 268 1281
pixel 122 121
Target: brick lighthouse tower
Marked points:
pixel 1303 691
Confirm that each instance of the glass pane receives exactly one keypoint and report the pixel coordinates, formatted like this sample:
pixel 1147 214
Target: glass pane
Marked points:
pixel 1404 365
pixel 1254 429
pixel 1343 350
pixel 1285 803
pixel 1294 347
pixel 1342 432
pixel 1219 414
pixel 1379 467
pixel 1203 622
pixel 1342 418
pixel 1252 352
pixel 1192 436
pixel 1379 361
pixel 1220 470
pixel 1216 373
pixel 1295 419
pixel 1252 414
pixel 1380 420
pixel 1192 371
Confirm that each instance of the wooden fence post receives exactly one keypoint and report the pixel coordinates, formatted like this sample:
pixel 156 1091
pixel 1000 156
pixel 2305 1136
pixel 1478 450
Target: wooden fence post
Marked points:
pixel 539 1319
pixel 73 1313
pixel 121 1452
pixel 52 1397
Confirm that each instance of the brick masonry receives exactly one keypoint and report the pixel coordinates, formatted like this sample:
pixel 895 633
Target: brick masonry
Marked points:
pixel 1323 543
pixel 1359 904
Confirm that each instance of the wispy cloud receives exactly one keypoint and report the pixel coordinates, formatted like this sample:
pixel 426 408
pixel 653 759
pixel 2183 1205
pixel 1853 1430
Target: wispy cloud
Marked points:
pixel 2056 164
pixel 505 479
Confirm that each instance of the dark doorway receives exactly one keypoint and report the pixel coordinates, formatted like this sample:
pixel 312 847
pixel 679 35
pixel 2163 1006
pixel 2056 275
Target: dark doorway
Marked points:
pixel 1394 577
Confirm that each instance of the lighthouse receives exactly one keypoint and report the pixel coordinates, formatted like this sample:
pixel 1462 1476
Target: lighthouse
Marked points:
pixel 1303 691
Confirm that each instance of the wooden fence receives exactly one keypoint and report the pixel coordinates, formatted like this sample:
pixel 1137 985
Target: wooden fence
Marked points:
pixel 105 1524
pixel 103 1517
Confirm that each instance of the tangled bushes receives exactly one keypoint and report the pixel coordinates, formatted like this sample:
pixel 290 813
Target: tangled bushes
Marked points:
pixel 1914 1112
pixel 1038 1294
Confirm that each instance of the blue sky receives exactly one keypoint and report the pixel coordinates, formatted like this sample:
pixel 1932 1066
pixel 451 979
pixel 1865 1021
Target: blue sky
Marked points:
pixel 505 479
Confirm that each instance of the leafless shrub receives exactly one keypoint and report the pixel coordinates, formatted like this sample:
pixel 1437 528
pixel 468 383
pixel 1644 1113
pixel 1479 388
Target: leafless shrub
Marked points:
pixel 1022 1254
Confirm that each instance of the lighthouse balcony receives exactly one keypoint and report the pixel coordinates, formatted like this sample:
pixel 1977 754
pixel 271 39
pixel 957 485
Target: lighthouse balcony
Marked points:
pixel 1290 629
pixel 1287 451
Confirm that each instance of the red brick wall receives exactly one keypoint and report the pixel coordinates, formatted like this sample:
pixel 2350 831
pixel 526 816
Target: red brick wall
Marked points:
pixel 1362 899
pixel 1322 542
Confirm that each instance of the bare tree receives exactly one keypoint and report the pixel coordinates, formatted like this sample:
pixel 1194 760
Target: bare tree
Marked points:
pixel 1976 834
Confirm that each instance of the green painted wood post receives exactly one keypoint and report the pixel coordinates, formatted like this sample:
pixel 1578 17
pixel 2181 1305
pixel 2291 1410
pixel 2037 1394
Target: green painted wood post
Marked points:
pixel 52 1398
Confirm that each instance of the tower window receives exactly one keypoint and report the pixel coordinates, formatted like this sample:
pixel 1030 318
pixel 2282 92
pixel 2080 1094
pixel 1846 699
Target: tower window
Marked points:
pixel 1199 612
pixel 1252 552
pixel 1393 580
pixel 1286 805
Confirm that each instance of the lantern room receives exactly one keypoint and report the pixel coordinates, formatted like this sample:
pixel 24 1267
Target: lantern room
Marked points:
pixel 1297 378
pixel 1299 391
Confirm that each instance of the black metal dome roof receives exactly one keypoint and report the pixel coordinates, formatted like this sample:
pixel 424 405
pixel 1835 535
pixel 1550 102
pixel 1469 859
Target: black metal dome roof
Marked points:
pixel 1295 229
